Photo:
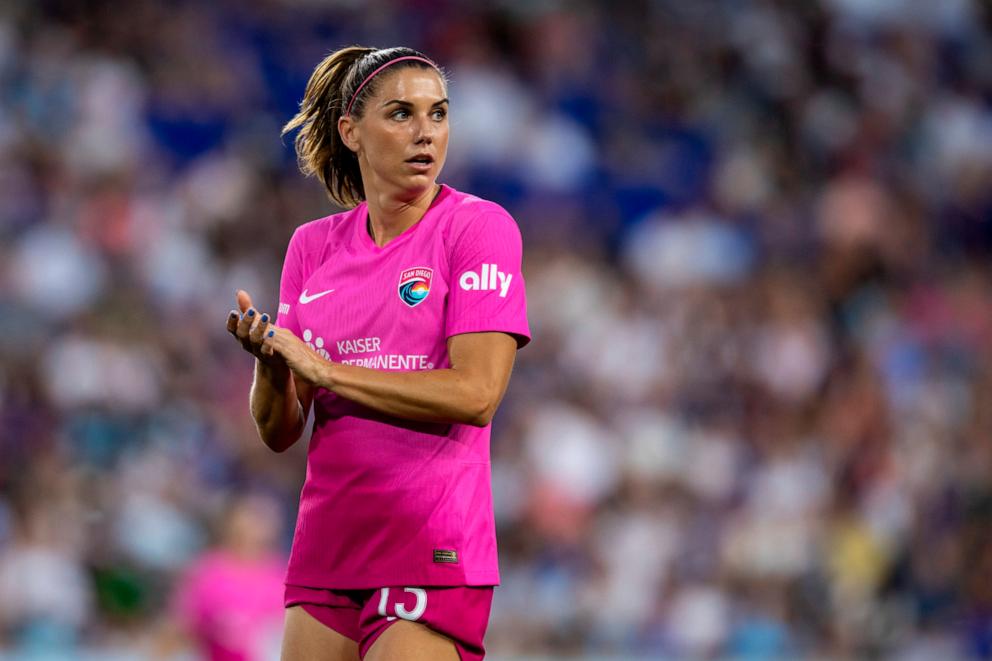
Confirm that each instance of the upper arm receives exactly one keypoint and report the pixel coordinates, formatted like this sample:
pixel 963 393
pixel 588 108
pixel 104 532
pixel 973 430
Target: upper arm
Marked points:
pixel 486 291
pixel 486 361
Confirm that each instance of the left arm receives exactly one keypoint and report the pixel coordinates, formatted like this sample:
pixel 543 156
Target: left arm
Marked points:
pixel 468 392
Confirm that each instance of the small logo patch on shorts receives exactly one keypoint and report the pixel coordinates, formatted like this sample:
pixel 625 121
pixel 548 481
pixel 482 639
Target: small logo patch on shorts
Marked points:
pixel 445 555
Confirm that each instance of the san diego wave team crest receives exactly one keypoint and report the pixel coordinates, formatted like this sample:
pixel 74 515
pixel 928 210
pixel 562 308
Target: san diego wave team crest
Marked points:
pixel 415 285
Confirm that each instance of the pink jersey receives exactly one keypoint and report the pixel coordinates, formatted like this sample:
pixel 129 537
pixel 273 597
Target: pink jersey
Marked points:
pixel 389 501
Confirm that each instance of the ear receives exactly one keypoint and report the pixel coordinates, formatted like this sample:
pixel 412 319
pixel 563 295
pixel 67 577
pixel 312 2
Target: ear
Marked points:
pixel 349 132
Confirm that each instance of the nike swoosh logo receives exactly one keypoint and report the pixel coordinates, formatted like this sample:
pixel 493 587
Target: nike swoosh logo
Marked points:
pixel 304 299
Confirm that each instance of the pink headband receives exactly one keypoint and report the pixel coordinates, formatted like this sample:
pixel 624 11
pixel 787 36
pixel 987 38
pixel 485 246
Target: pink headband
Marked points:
pixel 372 75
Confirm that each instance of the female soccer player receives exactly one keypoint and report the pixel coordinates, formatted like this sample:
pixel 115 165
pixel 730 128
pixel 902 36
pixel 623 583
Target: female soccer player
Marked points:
pixel 398 324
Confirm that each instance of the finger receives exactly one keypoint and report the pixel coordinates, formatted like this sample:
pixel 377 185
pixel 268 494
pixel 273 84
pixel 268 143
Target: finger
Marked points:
pixel 271 338
pixel 244 300
pixel 258 329
pixel 244 325
pixel 232 321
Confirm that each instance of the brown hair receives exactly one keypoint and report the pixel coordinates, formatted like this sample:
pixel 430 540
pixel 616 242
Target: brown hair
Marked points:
pixel 320 150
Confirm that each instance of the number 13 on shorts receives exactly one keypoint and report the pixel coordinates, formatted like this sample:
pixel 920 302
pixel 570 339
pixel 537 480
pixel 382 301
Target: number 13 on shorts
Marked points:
pixel 400 609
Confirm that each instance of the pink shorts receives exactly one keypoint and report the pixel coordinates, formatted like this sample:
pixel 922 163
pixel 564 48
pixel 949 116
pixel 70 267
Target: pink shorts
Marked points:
pixel 459 613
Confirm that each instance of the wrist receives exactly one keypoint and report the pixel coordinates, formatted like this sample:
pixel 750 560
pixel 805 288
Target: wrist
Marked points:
pixel 276 372
pixel 328 375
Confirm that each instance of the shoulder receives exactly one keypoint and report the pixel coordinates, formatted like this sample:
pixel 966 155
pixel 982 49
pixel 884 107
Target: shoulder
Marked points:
pixel 313 241
pixel 315 233
pixel 472 216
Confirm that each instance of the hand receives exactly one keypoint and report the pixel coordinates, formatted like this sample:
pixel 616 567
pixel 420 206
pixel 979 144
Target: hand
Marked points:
pixel 249 327
pixel 306 363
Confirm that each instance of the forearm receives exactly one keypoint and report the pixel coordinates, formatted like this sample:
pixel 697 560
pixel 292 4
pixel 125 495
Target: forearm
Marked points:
pixel 275 406
pixel 442 395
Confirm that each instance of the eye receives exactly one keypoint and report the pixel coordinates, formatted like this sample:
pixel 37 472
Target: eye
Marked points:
pixel 439 114
pixel 400 113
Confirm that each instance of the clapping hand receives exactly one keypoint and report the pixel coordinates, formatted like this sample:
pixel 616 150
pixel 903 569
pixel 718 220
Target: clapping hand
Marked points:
pixel 250 327
pixel 274 346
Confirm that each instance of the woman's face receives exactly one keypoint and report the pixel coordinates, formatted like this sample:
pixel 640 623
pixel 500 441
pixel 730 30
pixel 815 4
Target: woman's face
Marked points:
pixel 402 137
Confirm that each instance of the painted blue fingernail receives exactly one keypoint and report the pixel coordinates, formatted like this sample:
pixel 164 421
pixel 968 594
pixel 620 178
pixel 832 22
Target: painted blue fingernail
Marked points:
pixel 271 333
pixel 265 317
pixel 251 313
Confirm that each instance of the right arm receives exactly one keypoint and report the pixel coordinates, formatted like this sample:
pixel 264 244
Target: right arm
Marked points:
pixel 279 402
pixel 280 405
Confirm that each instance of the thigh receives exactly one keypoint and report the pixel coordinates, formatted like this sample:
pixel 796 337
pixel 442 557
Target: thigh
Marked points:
pixel 307 639
pixel 411 642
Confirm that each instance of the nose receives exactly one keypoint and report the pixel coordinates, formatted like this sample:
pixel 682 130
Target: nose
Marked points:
pixel 424 131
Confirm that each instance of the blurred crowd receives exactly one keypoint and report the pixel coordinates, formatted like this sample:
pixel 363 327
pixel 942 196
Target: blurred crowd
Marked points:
pixel 756 417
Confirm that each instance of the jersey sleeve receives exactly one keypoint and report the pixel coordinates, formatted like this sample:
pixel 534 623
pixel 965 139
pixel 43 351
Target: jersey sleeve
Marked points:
pixel 487 289
pixel 291 284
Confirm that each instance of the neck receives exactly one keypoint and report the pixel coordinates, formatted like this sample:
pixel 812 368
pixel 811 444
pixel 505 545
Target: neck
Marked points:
pixel 391 215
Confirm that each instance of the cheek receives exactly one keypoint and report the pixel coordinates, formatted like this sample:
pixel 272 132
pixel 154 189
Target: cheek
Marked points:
pixel 393 142
pixel 382 149
pixel 441 138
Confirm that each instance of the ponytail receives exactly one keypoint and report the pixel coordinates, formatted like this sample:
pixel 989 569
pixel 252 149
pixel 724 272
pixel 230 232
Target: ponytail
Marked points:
pixel 319 148
pixel 342 81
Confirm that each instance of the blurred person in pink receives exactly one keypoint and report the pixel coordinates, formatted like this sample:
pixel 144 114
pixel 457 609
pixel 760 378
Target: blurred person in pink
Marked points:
pixel 229 601
pixel 398 324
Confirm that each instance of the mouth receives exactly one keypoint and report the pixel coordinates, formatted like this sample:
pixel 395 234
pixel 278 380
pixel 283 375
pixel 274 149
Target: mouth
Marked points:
pixel 421 162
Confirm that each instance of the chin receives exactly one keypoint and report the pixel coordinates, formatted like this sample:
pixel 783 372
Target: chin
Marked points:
pixel 414 186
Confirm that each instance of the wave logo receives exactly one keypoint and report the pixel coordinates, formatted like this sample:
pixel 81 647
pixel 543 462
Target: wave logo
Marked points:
pixel 415 285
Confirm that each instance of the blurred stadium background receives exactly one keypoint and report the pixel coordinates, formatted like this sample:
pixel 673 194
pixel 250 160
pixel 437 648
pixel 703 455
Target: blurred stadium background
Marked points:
pixel 756 419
